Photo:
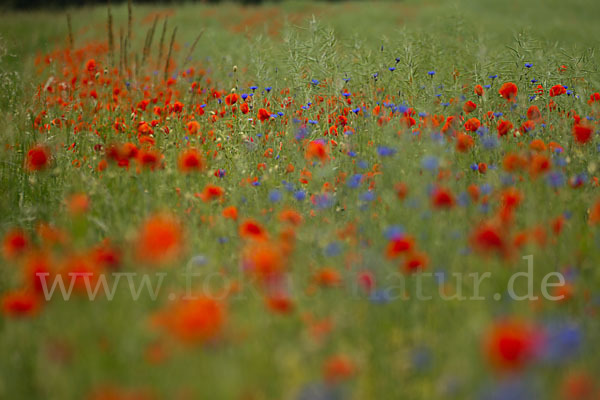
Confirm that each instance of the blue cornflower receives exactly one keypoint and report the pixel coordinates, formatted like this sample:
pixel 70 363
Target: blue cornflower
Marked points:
pixel 268 89
pixel 378 296
pixel 430 163
pixel 563 342
pixel 354 181
pixel 274 196
pixel 302 132
pixel 392 69
pixel 463 199
pixel 528 65
pixel 368 196
pixel 322 201
pixel 253 87
pixel 300 195
pixel 489 142
pixel 385 151
pixel 394 232
pixel 431 73
pixel 333 249
pixel 560 162
pixel 507 180
pixel 288 186
pixel 556 179
pixel 485 189
pixel 482 130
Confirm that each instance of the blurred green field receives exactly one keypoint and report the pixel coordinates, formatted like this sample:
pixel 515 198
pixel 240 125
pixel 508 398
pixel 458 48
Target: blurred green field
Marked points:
pixel 398 349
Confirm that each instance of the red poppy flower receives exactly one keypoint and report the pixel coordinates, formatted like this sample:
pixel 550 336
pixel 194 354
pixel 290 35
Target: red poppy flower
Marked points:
pixel 15 243
pixel 512 162
pixel 533 114
pixel 38 158
pixel 539 164
pixel 509 91
pixel 557 90
pixel 328 277
pixel 251 229
pixel 399 245
pixel 211 192
pixel 78 204
pixel 160 240
pixel 193 127
pixel 464 142
pixel 338 368
pixel 292 217
pixel 231 99
pixel 190 160
pixel 504 127
pixel 469 107
pixel 594 98
pixel 148 158
pixel 230 212
pixel 537 145
pixel 510 345
pixel 594 218
pixel 472 124
pixel 442 198
pixel 20 304
pixel 264 261
pixel 279 303
pixel 263 115
pixel 527 126
pixel 317 150
pixel 415 262
pixel 90 65
pixel 193 321
pixel 582 133
pixel 488 238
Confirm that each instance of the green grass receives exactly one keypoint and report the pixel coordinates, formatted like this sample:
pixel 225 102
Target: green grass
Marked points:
pixel 74 347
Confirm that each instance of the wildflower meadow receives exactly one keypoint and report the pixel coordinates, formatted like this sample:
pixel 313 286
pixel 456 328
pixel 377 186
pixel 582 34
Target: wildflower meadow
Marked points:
pixel 301 200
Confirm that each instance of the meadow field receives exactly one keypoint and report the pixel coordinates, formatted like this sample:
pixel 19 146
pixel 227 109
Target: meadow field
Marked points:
pixel 301 200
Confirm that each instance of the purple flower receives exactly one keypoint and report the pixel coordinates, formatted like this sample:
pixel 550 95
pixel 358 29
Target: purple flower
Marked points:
pixel 385 151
